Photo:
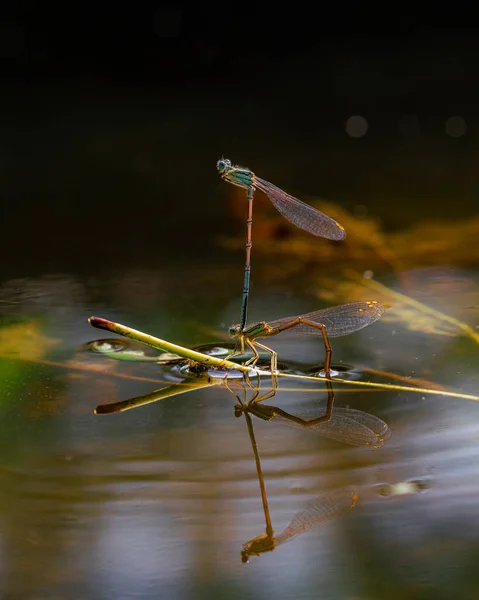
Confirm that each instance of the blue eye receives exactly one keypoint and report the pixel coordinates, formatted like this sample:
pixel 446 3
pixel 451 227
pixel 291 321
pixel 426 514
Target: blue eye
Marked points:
pixel 221 165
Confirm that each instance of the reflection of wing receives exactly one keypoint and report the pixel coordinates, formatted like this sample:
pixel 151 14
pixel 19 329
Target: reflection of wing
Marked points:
pixel 338 320
pixel 346 425
pixel 321 509
pixel 300 214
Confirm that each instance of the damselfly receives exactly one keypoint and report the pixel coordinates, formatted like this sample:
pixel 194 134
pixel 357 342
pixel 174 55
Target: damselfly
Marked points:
pixel 328 322
pixel 297 212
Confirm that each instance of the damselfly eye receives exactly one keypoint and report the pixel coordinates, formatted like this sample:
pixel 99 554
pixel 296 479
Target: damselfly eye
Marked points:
pixel 233 330
pixel 223 163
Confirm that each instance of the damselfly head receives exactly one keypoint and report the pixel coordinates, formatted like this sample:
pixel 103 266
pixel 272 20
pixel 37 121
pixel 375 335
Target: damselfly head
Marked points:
pixel 246 553
pixel 256 546
pixel 234 330
pixel 238 411
pixel 223 164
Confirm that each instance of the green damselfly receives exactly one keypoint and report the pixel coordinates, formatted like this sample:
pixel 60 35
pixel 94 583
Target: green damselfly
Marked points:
pixel 336 321
pixel 297 212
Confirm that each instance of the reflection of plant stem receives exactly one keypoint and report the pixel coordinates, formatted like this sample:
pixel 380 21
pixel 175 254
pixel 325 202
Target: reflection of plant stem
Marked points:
pixel 166 392
pixel 375 285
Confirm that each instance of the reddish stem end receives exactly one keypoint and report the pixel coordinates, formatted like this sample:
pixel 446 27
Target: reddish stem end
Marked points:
pixel 104 409
pixel 99 322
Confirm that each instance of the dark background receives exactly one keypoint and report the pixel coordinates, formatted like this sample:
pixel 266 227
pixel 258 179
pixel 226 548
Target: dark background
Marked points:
pixel 112 119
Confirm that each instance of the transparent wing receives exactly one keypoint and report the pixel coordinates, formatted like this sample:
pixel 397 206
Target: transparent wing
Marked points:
pixel 338 320
pixel 347 425
pixel 321 509
pixel 300 214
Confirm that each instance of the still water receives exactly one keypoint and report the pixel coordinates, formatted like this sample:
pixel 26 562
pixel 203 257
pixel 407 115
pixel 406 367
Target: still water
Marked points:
pixel 157 502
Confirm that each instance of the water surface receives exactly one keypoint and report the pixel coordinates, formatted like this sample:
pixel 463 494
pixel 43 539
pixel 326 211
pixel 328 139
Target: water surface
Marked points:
pixel 158 501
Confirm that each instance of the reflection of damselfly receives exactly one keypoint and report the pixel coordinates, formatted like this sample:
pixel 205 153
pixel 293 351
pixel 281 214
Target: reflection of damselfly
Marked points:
pixel 300 214
pixel 336 321
pixel 321 509
pixel 346 425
